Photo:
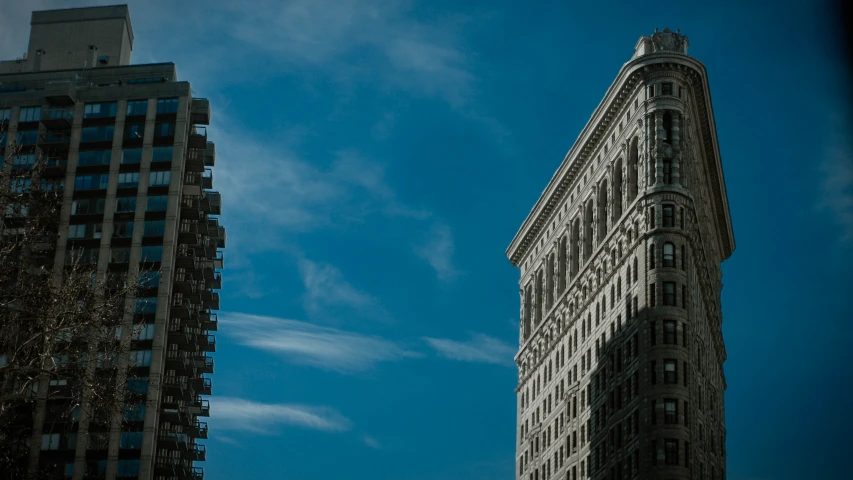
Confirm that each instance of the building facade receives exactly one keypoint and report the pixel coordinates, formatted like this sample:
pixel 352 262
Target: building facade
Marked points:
pixel 127 146
pixel 621 349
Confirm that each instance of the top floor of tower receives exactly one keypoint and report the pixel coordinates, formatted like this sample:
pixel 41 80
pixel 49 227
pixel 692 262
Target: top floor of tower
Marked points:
pixel 76 38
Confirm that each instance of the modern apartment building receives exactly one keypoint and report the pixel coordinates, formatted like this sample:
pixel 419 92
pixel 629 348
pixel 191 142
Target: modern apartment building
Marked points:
pixel 127 145
pixel 621 348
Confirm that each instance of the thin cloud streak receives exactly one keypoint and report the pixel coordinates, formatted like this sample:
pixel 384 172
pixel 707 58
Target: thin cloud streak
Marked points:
pixel 230 413
pixel 308 344
pixel 437 250
pixel 479 349
pixel 326 290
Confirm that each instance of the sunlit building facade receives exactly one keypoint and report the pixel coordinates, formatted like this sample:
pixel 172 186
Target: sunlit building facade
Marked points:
pixel 127 146
pixel 621 349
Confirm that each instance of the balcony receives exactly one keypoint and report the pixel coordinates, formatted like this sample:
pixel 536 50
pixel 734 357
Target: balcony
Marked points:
pixel 196 453
pixel 214 203
pixel 209 321
pixel 201 407
pixel 58 118
pixel 204 364
pixel 207 180
pixel 197 138
pixel 216 282
pixel 192 184
pixel 200 111
pixel 173 440
pixel 54 142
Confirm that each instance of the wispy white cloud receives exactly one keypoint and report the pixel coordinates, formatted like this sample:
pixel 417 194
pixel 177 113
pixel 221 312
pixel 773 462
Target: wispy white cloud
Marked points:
pixel 337 35
pixel 228 413
pixel 326 290
pixel 837 169
pixel 437 250
pixel 308 344
pixel 371 442
pixel 480 348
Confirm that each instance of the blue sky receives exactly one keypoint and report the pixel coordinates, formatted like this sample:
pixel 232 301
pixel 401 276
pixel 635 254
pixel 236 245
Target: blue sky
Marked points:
pixel 375 160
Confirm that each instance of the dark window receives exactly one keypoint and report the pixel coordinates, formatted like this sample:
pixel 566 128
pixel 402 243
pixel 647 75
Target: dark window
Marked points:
pixel 670 371
pixel 683 257
pixel 162 154
pixel 686 410
pixel 28 137
pixel 684 296
pixel 94 157
pixel 669 293
pixel 164 129
pixel 671 451
pixel 157 203
pixel 668 255
pixel 653 374
pixel 670 332
pixel 686 452
pixel 131 155
pixel 137 108
pixel 653 332
pixel 102 133
pixel 680 91
pixel 651 90
pixel 29 114
pixel 125 204
pixel 134 131
pixel 651 217
pixel 652 294
pixel 167 105
pixel 91 182
pixel 666 89
pixel 123 229
pixel 652 257
pixel 681 218
pixel 670 406
pixel 653 411
pixel 668 216
pixel 99 110
pixel 667 170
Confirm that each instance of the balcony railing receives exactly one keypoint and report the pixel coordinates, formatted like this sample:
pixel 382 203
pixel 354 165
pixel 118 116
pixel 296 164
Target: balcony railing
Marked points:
pixel 197 137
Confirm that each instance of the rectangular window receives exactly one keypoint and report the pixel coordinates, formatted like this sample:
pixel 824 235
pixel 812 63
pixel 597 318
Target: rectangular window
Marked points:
pixel 50 441
pixel 140 358
pixel 668 216
pixel 667 171
pixel 685 372
pixel 149 279
pixel 152 253
pixel 670 410
pixel 670 332
pixel 123 229
pixel 129 440
pixel 94 157
pixel 100 133
pixel 134 131
pixel 5 114
pixel 670 371
pixel 666 89
pixel 86 230
pixel 157 203
pixel 91 182
pixel 144 331
pixel 164 129
pixel 160 178
pixel 30 114
pixel 653 332
pixel 680 91
pixel 681 217
pixel 671 451
pixel 684 296
pixel 138 384
pixel 134 412
pixel 167 105
pixel 125 204
pixel 686 410
pixel 120 255
pixel 26 160
pixel 154 228
pixel 146 305
pixel 128 180
pixel 669 293
pixel 99 110
pixel 652 217
pixel 131 155
pixel 82 256
pixel 651 91
pixel 652 294
pixel 162 154
pixel 137 108
pixel 129 468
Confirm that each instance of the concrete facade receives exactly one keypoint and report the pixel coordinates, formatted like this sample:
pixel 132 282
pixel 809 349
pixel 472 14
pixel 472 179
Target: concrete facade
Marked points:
pixel 621 350
pixel 127 148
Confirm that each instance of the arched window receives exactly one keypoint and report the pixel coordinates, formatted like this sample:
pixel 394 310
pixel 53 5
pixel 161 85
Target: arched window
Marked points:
pixel 619 286
pixel 612 290
pixel 684 258
pixel 635 269
pixel 652 256
pixel 633 156
pixel 667 127
pixel 628 277
pixel 668 255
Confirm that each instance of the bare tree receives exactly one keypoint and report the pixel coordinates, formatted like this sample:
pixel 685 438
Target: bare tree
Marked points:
pixel 66 371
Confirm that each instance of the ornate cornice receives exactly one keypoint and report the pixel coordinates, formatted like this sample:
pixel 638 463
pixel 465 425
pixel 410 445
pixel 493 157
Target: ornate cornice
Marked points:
pixel 594 133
